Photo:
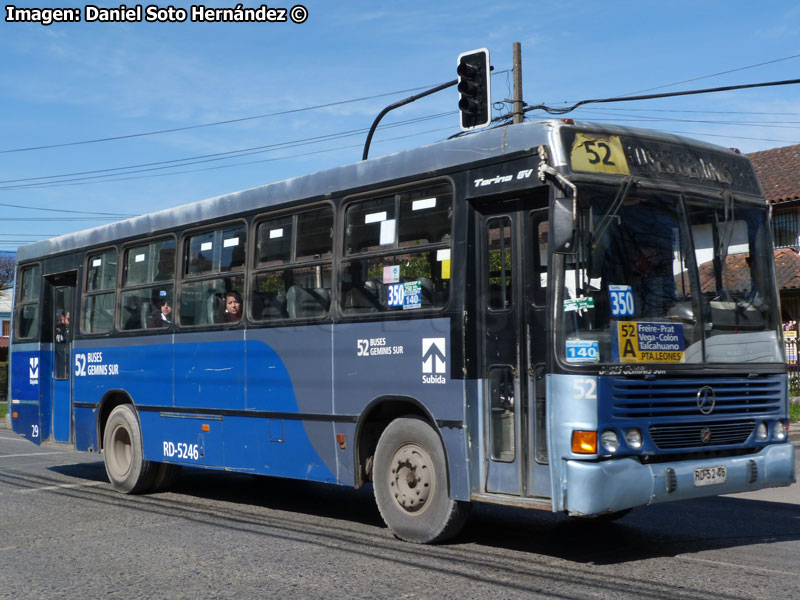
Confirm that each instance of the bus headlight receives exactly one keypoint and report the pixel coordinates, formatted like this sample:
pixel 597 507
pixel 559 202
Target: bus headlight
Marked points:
pixel 761 432
pixel 779 431
pixel 634 438
pixel 610 441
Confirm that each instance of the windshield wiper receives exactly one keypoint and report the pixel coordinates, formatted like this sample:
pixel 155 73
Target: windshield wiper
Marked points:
pixel 612 212
pixel 724 236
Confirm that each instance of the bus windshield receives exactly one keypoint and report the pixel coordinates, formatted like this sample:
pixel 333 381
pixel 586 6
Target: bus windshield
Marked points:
pixel 664 278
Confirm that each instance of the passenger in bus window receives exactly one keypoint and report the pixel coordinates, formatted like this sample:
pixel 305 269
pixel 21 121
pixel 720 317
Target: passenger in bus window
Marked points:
pixel 62 347
pixel 62 329
pixel 233 307
pixel 163 318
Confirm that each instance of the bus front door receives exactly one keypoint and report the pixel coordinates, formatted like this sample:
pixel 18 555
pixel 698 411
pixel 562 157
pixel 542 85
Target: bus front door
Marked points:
pixel 62 303
pixel 512 330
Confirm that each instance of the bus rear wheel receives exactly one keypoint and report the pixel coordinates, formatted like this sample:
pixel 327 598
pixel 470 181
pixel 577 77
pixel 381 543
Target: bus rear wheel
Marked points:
pixel 410 484
pixel 126 468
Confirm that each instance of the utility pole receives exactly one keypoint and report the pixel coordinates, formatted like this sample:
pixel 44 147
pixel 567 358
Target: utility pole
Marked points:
pixel 518 104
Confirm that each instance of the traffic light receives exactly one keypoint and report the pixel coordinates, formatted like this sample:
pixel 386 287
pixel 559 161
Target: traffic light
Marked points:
pixel 474 88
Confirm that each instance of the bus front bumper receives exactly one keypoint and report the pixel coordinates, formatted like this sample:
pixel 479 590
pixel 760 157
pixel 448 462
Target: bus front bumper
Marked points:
pixel 596 488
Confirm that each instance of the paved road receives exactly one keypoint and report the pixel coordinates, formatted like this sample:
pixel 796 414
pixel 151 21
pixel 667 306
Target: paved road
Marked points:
pixel 65 534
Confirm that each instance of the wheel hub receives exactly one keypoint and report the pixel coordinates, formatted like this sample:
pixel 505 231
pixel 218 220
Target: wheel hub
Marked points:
pixel 411 478
pixel 121 451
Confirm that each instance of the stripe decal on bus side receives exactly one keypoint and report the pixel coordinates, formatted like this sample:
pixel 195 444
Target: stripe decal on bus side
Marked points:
pixel 171 411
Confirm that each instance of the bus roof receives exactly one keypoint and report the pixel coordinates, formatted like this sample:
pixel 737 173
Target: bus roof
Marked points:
pixel 491 143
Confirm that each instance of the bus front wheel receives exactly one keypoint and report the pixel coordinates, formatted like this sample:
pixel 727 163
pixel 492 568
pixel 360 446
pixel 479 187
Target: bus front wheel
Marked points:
pixel 126 468
pixel 410 484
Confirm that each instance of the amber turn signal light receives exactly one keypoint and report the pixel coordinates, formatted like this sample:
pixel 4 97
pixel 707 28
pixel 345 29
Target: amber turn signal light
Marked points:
pixel 584 442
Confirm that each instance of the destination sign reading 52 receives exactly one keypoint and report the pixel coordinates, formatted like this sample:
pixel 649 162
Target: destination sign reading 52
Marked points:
pixel 644 342
pixel 598 154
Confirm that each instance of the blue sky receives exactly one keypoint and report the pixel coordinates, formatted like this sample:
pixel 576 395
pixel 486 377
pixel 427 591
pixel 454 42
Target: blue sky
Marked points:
pixel 74 82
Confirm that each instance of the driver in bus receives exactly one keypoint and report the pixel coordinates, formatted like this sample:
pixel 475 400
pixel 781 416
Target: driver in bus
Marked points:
pixel 653 281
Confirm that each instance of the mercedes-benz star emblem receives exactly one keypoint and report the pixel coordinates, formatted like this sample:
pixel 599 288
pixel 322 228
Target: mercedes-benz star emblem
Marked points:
pixel 706 400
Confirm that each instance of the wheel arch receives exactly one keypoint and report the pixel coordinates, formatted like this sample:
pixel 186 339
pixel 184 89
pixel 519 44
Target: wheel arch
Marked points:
pixel 375 418
pixel 111 399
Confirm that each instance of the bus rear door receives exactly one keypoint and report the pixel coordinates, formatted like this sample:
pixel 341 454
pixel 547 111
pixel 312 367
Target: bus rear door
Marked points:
pixel 63 295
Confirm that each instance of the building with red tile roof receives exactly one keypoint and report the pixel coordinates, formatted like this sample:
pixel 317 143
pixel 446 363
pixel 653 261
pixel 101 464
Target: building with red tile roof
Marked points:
pixel 779 171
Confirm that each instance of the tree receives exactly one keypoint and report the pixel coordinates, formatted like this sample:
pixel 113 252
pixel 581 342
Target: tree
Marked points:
pixel 7 264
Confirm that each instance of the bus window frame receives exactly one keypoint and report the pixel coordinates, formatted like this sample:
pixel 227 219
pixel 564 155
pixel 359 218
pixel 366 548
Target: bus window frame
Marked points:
pixel 182 278
pixel 254 270
pixel 85 294
pixel 18 306
pixel 121 288
pixel 342 259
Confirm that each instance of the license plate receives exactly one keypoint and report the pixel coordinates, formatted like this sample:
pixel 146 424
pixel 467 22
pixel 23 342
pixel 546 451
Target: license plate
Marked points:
pixel 710 475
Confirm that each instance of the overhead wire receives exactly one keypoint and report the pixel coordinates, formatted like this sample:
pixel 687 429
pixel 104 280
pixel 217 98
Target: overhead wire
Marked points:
pixel 206 169
pixel 666 85
pixel 160 165
pixel 761 64
pixel 727 88
pixel 66 210
pixel 305 154
pixel 224 122
pixel 203 125
pixel 686 110
pixel 177 163
pixel 112 174
pixel 621 116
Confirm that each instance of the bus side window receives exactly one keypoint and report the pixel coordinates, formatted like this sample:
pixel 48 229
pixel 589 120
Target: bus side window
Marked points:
pixel 142 296
pixel 293 259
pixel 27 309
pixel 100 292
pixel 209 258
pixel 398 251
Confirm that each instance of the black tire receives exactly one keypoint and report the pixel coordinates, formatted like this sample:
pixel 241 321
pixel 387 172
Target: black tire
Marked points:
pixel 164 476
pixel 410 484
pixel 126 468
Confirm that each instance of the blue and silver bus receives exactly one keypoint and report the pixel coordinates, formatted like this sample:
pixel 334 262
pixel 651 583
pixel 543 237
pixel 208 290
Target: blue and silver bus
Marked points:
pixel 570 317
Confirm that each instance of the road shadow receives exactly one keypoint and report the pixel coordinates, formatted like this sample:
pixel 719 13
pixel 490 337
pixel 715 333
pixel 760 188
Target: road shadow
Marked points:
pixel 89 471
pixel 273 493
pixel 662 530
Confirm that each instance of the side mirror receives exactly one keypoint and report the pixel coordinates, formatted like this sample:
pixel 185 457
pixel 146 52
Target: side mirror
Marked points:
pixel 562 236
pixel 562 222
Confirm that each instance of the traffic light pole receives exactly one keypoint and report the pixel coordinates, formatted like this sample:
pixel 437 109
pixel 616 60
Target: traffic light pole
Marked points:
pixel 408 100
